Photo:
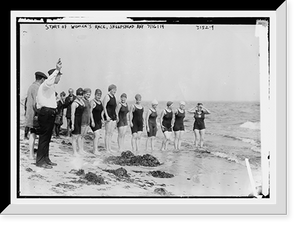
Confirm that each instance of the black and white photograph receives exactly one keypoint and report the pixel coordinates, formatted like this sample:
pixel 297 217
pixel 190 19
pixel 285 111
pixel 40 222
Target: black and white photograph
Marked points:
pixel 144 108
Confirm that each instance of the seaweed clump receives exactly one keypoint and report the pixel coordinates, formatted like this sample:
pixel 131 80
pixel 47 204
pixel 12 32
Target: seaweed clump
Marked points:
pixel 120 172
pixel 128 158
pixel 162 192
pixel 94 178
pixel 161 174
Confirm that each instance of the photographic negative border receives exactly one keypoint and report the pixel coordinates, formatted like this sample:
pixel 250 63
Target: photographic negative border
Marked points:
pixel 172 20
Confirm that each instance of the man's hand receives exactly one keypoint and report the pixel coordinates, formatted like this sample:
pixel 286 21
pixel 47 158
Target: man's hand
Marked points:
pixel 59 65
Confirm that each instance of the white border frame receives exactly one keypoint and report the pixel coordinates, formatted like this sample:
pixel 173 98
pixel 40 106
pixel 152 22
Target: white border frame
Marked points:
pixel 274 205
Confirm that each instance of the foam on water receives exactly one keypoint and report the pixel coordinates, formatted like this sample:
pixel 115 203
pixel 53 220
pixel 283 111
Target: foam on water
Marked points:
pixel 251 125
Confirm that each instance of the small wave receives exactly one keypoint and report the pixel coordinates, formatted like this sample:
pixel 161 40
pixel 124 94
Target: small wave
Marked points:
pixel 232 158
pixel 251 125
pixel 228 157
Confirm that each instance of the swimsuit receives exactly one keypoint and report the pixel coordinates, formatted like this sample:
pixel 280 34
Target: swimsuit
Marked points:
pixel 199 120
pixel 97 116
pixel 111 108
pixel 123 116
pixel 78 119
pixel 178 125
pixel 86 115
pixel 137 120
pixel 152 124
pixel 167 119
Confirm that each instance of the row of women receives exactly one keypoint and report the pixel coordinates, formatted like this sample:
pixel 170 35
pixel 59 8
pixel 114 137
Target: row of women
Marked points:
pixel 87 114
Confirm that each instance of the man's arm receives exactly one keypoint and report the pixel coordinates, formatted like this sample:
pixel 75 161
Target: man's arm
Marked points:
pixel 50 80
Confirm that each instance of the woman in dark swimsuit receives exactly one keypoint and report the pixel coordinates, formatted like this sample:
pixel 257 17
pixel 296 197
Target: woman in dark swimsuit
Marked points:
pixel 178 125
pixel 151 125
pixel 122 124
pixel 96 118
pixel 77 109
pixel 136 122
pixel 166 124
pixel 86 115
pixel 110 115
pixel 199 127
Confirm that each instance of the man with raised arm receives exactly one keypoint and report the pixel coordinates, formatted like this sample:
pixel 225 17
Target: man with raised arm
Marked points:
pixel 46 105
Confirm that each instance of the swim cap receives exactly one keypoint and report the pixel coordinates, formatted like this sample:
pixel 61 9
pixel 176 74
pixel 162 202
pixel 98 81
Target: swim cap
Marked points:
pixel 138 96
pixel 169 103
pixel 87 90
pixel 123 95
pixel 98 91
pixel 155 102
pixel 79 91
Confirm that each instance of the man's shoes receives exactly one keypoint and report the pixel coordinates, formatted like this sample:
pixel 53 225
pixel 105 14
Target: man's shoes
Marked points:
pixel 45 166
pixel 51 163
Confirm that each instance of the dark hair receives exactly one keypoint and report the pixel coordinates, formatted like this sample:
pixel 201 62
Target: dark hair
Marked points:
pixel 87 90
pixel 112 86
pixel 123 95
pixel 98 91
pixel 138 96
pixel 62 93
pixel 38 77
pixel 79 91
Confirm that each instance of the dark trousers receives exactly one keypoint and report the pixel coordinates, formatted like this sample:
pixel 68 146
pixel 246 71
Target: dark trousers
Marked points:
pixel 46 118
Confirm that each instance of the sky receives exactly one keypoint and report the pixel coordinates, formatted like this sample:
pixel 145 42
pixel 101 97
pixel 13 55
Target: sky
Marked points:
pixel 173 62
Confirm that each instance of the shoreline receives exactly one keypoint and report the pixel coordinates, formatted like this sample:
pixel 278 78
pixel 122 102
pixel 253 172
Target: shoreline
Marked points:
pixel 196 174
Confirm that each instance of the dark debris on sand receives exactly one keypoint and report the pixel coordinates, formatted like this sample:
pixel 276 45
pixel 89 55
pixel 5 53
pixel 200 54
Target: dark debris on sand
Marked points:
pixel 120 172
pixel 94 178
pixel 89 178
pixel 128 158
pixel 77 172
pixel 161 174
pixel 162 192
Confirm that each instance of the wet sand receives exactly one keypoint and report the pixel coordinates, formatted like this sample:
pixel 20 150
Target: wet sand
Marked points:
pixel 196 173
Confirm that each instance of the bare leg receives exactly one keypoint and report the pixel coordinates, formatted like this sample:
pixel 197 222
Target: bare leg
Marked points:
pixel 138 140
pixel 109 127
pixel 163 144
pixel 152 143
pixel 176 140
pixel 168 138
pixel 32 137
pixel 202 133
pixel 68 127
pixel 148 139
pixel 121 137
pixel 197 136
pixel 80 144
pixel 75 143
pixel 132 141
pixel 95 142
pixel 179 140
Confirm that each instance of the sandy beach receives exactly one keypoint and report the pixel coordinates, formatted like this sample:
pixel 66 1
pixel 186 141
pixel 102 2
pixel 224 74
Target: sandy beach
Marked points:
pixel 191 173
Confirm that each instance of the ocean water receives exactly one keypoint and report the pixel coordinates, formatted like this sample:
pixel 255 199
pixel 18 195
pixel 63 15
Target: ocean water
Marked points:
pixel 232 130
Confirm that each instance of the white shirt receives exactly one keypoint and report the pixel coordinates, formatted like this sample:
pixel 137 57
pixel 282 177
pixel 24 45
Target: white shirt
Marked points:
pixel 46 93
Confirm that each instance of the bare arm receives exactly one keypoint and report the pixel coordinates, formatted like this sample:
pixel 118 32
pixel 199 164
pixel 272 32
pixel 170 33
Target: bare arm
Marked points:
pixel 73 109
pixel 192 110
pixel 50 80
pixel 118 110
pixel 131 115
pixel 161 117
pixel 173 117
pixel 147 120
pixel 93 105
pixel 105 101
pixel 205 110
